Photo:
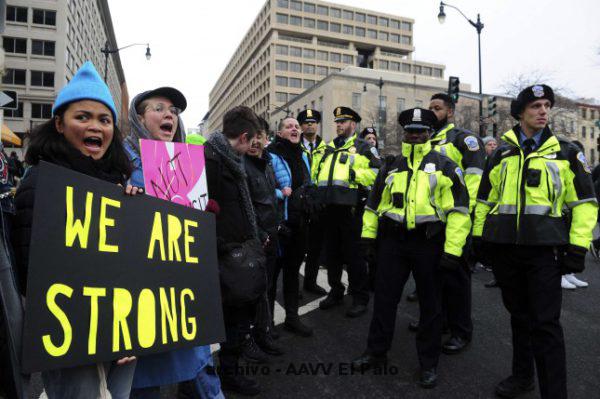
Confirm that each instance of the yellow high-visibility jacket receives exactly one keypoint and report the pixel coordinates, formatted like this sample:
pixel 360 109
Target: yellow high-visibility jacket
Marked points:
pixel 343 169
pixel 314 157
pixel 546 198
pixel 466 150
pixel 418 187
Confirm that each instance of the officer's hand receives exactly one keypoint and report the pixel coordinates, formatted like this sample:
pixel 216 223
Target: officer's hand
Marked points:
pixel 572 259
pixel 450 262
pixel 352 175
pixel 368 248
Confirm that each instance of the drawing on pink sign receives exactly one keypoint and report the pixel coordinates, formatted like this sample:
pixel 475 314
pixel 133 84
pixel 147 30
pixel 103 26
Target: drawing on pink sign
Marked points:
pixel 175 172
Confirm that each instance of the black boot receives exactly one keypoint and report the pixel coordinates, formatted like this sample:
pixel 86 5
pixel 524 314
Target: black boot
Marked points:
pixel 294 325
pixel 330 302
pixel 356 310
pixel 267 344
pixel 512 387
pixel 315 289
pixel 233 379
pixel 368 360
pixel 428 378
pixel 252 353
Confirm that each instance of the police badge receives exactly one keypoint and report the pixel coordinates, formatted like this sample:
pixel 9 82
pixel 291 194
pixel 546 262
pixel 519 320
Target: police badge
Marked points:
pixel 581 158
pixel 538 91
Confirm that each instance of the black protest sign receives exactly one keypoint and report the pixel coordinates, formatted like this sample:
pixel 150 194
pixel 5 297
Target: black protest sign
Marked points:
pixel 112 275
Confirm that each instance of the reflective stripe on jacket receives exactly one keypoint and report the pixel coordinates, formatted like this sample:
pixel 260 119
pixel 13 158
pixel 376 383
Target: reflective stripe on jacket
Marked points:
pixel 546 198
pixel 418 187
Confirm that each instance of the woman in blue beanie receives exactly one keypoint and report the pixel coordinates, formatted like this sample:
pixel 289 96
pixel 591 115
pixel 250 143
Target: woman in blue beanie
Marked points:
pixel 154 115
pixel 82 136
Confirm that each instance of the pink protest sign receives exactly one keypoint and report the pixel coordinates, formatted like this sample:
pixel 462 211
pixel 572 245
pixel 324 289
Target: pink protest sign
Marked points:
pixel 175 172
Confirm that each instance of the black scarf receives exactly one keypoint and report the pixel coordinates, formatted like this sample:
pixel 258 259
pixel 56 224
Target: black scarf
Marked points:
pixel 292 154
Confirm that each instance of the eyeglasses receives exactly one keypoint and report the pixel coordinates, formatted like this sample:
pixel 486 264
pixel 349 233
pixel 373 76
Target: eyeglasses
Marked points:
pixel 162 108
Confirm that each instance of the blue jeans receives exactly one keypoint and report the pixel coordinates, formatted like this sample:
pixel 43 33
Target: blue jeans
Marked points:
pixel 89 381
pixel 206 386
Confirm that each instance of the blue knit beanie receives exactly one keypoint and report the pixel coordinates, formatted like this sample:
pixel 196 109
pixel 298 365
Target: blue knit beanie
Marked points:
pixel 85 85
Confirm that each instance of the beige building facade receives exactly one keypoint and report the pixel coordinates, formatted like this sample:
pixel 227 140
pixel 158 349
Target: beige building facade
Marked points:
pixel 292 45
pixel 588 130
pixel 45 42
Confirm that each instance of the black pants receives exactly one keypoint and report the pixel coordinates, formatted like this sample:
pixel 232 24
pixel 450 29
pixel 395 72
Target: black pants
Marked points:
pixel 529 277
pixel 397 257
pixel 342 236
pixel 313 253
pixel 266 306
pixel 456 302
pixel 293 250
pixel 237 321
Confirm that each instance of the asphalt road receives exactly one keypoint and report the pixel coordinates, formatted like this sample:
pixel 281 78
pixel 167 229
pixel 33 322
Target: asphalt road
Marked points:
pixel 318 367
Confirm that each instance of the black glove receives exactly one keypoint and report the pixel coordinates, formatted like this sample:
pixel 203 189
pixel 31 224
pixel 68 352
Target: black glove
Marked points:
pixel 368 249
pixel 352 175
pixel 480 252
pixel 450 262
pixel 572 259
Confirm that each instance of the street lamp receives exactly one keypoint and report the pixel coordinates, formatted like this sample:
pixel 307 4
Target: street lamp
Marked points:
pixel 107 50
pixel 381 122
pixel 479 27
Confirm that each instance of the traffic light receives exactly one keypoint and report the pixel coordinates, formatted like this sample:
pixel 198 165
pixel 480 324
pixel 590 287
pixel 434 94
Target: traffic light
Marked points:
pixel 492 106
pixel 453 88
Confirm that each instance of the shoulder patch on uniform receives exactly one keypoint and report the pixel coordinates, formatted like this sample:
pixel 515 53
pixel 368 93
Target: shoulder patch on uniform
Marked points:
pixel 429 168
pixel 584 162
pixel 472 143
pixel 459 173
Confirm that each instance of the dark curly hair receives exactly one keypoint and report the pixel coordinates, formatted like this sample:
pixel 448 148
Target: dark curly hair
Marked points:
pixel 46 142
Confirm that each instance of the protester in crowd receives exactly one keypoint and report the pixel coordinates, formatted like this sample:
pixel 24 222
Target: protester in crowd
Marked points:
pixel 489 144
pixel 154 115
pixel 262 185
pixel 15 167
pixel 292 172
pixel 82 135
pixel 237 235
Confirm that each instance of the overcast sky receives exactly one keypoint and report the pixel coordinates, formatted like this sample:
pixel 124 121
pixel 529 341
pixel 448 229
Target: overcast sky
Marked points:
pixel 192 41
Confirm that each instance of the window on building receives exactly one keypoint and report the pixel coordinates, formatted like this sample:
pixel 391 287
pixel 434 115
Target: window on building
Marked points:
pixel 295 82
pixel 360 32
pixel 322 55
pixel 281 81
pixel 348 29
pixel 44 17
pixel 309 7
pixel 591 132
pixel 333 70
pixel 400 104
pixel 592 156
pixel 283 3
pixel 15 45
pixel 282 18
pixel 334 27
pixel 356 97
pixel 394 66
pixel 395 38
pixel 335 57
pixel 347 15
pixel 336 13
pixel 384 21
pixel 583 131
pixel 14 113
pixel 394 24
pixel 437 73
pixel 281 96
pixel 41 111
pixel 322 70
pixel 372 34
pixel 348 59
pixel 309 69
pixel 383 36
pixel 295 67
pixel 43 47
pixel 281 49
pixel 372 19
pixel 296 51
pixel 417 69
pixel 308 83
pixel 584 113
pixel 14 77
pixel 406 68
pixel 359 17
pixel 308 53
pixel 294 20
pixel 383 64
pixel 281 65
pixel 405 39
pixel 405 26
pixel 309 23
pixel 16 14
pixel 427 71
pixel 323 25
pixel 296 5
pixel 322 10
pixel 42 78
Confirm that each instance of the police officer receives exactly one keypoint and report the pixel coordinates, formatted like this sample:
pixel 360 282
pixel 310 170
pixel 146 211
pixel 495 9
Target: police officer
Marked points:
pixel 345 167
pixel 468 152
pixel 314 147
pixel 418 211
pixel 528 183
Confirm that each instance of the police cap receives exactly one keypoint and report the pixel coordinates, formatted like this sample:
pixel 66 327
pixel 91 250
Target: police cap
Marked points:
pixel 366 131
pixel 417 119
pixel 346 113
pixel 309 115
pixel 529 95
